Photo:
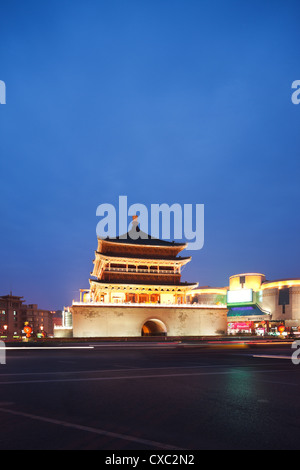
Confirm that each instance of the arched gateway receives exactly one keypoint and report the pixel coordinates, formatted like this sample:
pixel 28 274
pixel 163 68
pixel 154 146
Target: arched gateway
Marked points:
pixel 154 327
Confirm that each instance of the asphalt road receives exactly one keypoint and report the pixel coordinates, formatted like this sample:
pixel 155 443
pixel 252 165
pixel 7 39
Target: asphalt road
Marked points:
pixel 157 396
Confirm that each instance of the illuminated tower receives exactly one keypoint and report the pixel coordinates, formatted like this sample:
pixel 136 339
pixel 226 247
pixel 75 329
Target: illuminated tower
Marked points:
pixel 138 268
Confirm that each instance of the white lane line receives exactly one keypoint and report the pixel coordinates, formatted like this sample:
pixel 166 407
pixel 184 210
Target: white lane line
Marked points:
pixel 123 377
pixel 102 432
pixel 137 377
pixel 41 348
pixel 132 369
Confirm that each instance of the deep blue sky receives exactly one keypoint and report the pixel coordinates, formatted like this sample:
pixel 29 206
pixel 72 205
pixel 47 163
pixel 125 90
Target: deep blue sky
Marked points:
pixel 185 101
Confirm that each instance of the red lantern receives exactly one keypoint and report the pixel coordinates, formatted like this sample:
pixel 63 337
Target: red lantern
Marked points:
pixel 28 331
pixel 281 329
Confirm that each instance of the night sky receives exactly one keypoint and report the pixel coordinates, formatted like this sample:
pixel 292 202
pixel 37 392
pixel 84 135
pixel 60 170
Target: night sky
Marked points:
pixel 165 101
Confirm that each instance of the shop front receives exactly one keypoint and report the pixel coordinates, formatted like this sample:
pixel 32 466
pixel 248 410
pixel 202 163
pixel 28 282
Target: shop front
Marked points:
pixel 245 315
pixel 256 327
pixel 239 327
pixel 252 320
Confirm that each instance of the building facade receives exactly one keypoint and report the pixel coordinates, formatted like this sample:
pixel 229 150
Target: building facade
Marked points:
pixel 63 324
pixel 257 305
pixel 14 314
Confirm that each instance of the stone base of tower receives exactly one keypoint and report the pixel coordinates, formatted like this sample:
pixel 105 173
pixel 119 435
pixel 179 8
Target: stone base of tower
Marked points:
pixel 109 321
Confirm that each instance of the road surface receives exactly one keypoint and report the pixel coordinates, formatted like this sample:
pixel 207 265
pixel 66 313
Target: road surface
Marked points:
pixel 150 396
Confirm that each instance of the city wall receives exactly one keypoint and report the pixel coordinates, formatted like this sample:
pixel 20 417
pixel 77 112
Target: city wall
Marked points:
pixel 127 321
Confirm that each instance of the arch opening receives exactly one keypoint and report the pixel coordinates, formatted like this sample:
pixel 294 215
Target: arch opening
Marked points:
pixel 154 327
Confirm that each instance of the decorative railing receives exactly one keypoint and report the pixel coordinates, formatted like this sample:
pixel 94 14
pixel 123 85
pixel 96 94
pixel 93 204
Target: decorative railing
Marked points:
pixel 147 271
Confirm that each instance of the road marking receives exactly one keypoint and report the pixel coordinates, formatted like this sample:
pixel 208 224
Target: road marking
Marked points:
pixel 41 348
pixel 101 432
pixel 272 356
pixel 122 377
pixel 137 377
pixel 132 369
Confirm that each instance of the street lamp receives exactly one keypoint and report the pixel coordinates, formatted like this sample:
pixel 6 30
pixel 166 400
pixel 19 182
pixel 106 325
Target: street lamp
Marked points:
pixel 5 331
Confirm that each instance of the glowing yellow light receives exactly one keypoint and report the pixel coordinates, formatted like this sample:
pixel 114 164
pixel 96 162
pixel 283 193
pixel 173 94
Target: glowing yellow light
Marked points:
pixel 281 284
pixel 209 291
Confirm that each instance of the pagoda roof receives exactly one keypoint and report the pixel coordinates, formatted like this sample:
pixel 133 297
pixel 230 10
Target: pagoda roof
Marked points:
pixel 10 296
pixel 146 258
pixel 143 239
